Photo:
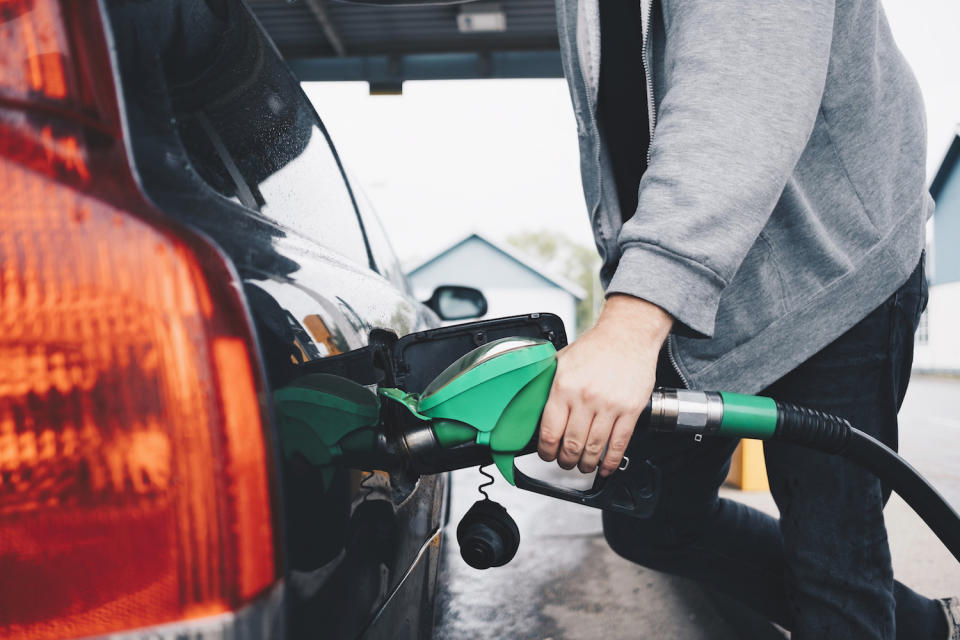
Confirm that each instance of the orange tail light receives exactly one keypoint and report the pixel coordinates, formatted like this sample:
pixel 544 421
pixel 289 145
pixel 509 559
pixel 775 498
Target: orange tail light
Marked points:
pixel 135 484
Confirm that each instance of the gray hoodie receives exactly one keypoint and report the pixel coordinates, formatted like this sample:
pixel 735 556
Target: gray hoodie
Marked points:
pixel 785 195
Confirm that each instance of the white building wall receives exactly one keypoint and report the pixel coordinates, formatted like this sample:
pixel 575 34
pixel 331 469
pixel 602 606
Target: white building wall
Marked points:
pixel 940 350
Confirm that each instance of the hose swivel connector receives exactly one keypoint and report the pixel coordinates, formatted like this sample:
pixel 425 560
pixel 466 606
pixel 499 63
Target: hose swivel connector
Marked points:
pixel 681 410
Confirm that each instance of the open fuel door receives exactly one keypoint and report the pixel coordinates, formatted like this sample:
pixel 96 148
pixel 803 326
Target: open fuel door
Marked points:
pixel 411 362
pixel 420 357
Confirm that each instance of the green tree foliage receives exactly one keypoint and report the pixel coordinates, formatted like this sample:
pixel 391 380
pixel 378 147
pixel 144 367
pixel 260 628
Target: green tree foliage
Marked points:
pixel 573 261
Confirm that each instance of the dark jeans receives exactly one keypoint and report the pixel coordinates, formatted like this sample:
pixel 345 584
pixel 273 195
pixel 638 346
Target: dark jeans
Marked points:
pixel 823 569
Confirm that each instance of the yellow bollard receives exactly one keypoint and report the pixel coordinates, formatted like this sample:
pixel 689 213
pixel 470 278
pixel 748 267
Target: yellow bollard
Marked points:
pixel 748 471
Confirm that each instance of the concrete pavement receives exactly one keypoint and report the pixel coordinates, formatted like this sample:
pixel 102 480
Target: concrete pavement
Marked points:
pixel 565 583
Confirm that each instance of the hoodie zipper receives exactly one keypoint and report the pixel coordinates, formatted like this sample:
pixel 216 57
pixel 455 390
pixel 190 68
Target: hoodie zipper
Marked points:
pixel 652 123
pixel 673 362
pixel 644 59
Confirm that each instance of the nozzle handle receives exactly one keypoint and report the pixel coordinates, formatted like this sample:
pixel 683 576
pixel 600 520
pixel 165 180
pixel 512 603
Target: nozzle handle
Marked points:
pixel 632 490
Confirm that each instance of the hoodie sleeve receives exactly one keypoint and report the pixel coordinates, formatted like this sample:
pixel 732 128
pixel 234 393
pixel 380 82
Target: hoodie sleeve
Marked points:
pixel 744 84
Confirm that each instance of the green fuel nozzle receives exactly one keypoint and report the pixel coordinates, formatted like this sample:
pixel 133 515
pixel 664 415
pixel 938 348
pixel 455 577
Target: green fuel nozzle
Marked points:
pixel 483 408
pixel 486 407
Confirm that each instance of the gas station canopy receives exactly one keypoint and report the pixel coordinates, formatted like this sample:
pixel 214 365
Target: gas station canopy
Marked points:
pixel 386 45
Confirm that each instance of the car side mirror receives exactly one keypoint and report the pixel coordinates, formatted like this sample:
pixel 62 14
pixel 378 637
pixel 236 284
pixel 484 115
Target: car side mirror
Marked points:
pixel 453 302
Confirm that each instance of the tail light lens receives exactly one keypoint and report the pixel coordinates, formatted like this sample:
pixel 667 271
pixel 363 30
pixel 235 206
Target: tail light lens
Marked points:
pixel 135 484
pixel 33 39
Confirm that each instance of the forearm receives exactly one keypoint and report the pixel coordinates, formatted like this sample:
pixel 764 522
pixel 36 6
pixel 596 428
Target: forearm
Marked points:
pixel 641 322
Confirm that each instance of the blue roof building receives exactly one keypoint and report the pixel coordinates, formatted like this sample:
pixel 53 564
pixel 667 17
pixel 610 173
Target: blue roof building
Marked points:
pixel 938 338
pixel 512 283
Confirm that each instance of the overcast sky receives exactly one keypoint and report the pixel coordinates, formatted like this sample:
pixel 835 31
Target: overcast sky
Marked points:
pixel 500 156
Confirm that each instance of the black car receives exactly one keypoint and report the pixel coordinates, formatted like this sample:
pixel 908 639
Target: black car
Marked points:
pixel 178 240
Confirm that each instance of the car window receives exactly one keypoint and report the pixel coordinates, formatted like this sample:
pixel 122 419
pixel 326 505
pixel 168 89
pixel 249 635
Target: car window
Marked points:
pixel 384 256
pixel 247 128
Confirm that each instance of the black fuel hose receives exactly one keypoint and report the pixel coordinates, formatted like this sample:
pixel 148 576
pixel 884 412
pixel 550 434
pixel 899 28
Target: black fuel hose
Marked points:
pixel 831 434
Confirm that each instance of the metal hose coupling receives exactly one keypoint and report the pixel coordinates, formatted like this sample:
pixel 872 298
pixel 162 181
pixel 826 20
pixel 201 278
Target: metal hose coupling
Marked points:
pixel 736 415
pixel 684 411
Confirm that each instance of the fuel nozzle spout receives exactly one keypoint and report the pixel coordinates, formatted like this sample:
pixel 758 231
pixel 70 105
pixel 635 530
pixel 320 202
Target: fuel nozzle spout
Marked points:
pixel 430 449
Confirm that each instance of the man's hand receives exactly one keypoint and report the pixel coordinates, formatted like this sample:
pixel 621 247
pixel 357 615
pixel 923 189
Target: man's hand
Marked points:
pixel 602 384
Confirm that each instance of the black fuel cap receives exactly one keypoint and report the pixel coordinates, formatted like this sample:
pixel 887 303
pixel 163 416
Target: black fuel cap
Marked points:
pixel 487 535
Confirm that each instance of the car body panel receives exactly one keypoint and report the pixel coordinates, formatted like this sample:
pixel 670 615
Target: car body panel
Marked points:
pixel 216 123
